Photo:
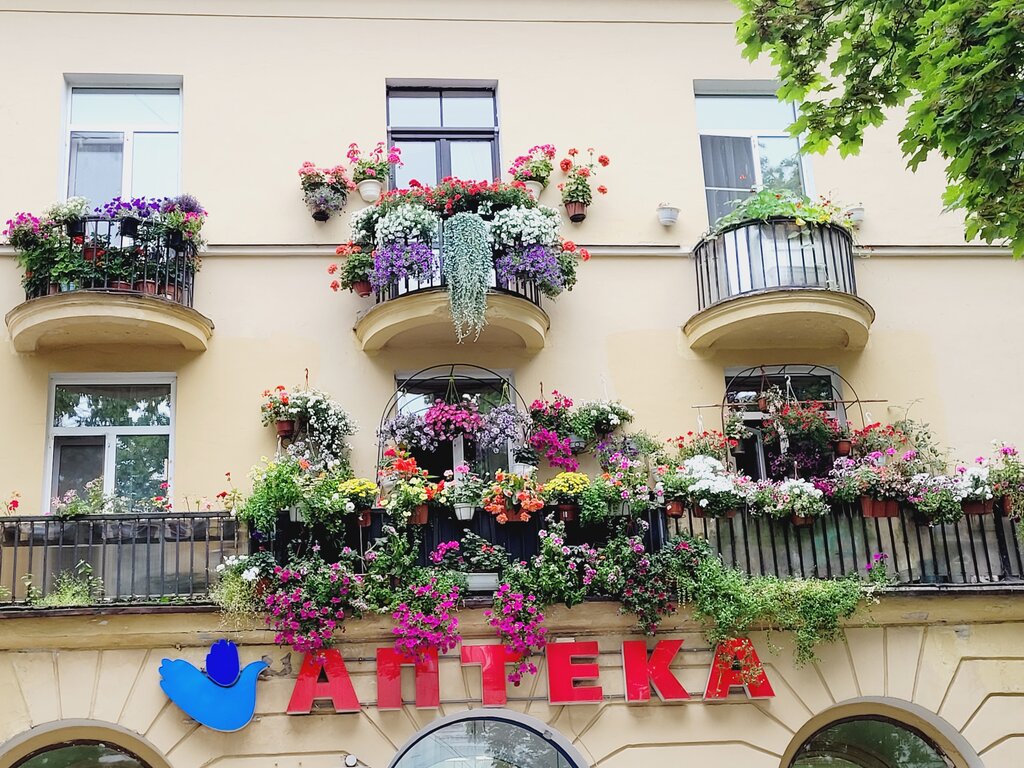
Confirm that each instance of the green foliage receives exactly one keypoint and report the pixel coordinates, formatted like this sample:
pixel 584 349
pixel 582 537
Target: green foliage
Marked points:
pixel 356 268
pixel 957 62
pixel 276 487
pixel 390 561
pixel 242 581
pixel 467 267
pixel 782 203
pixel 70 588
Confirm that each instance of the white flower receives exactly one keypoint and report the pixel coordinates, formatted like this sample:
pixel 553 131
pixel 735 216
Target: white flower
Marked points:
pixel 350 507
pixel 250 574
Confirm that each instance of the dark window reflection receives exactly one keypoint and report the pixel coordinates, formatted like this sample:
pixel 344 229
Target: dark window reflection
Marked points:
pixel 481 743
pixel 869 743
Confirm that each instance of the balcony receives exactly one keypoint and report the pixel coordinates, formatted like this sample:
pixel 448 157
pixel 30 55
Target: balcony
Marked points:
pixel 773 284
pixel 112 287
pixel 413 313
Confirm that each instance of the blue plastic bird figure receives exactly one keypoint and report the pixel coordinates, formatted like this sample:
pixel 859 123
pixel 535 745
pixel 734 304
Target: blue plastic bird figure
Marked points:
pixel 224 698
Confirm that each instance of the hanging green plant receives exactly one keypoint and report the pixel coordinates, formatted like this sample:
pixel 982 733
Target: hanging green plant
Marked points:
pixel 467 267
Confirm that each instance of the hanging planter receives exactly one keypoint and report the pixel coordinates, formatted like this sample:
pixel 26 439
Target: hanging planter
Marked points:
pixel 362 288
pixel 370 190
pixel 577 212
pixel 667 214
pixel 321 215
pixel 285 428
pixel 535 188
pixel 674 508
pixel 419 515
pixel 75 227
pixel 464 512
pixel 843 447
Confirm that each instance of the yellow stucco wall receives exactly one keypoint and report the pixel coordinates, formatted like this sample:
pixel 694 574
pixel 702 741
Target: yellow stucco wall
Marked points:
pixel 957 658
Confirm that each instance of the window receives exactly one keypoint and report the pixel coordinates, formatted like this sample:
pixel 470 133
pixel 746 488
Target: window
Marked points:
pixel 113 428
pixel 81 753
pixel 443 132
pixel 124 141
pixel 869 741
pixel 745 146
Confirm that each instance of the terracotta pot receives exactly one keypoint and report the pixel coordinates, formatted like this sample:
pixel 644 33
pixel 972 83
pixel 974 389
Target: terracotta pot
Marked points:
pixel 53 289
pixel 567 512
pixel 91 252
pixel 119 285
pixel 978 507
pixel 730 514
pixel 286 428
pixel 363 518
pixel 147 286
pixel 883 508
pixel 577 212
pixel 516 515
pixel 867 506
pixel 1007 505
pixel 800 521
pixel 172 292
pixel 843 447
pixel 362 288
pixel 321 215
pixel 697 511
pixel 674 508
pixel 419 515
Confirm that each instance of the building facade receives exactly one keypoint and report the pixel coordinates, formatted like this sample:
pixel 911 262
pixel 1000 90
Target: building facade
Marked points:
pixel 225 103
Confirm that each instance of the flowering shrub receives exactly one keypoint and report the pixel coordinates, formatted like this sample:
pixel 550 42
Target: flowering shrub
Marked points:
pixel 512 493
pixel 501 425
pixel 406 223
pixel 356 268
pixel 519 227
pixel 277 406
pixel 937 497
pixel 374 165
pixel 974 482
pixel 784 203
pixel 559 572
pixel 462 486
pixel 794 497
pixel 566 488
pixel 706 443
pixel 324 189
pixel 449 421
pixel 576 187
pixel 425 617
pixel 535 165
pixel 713 489
pixel 598 418
pixel 519 622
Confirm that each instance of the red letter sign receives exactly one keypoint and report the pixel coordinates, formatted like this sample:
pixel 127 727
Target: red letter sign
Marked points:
pixel 563 673
pixel 308 687
pixel 389 679
pixel 492 660
pixel 727 670
pixel 641 672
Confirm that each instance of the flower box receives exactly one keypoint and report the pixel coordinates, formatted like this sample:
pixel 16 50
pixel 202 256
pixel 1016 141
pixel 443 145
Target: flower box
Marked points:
pixel 481 582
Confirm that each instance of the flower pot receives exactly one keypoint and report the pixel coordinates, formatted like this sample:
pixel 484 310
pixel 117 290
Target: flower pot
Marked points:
pixel 147 286
pixel 362 288
pixel 286 428
pixel 523 470
pixel 567 513
pixel 801 521
pixel 321 215
pixel 464 511
pixel 370 190
pixel 419 514
pixel 762 404
pixel 516 515
pixel 119 285
pixel 978 507
pixel 75 227
pixel 577 212
pixel 172 292
pixel 91 252
pixel 53 289
pixel 867 506
pixel 534 188
pixel 481 582
pixel 730 514
pixel 176 240
pixel 674 508
pixel 1007 505
pixel 890 508
pixel 697 511
pixel 130 226
pixel 843 447
pixel 297 513
pixel 667 215
pixel 363 518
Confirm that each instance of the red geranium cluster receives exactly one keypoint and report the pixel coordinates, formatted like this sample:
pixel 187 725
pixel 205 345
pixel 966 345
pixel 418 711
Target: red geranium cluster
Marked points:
pixel 453 195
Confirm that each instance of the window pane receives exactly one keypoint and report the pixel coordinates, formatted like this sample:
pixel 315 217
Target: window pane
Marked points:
pixel 82 755
pixel 743 113
pixel 728 162
pixel 419 160
pixel 155 163
pixel 106 405
pixel 95 166
pixel 780 163
pixel 141 466
pixel 414 109
pixel 77 461
pixel 722 201
pixel 472 160
pixel 869 742
pixel 483 742
pixel 119 106
pixel 468 109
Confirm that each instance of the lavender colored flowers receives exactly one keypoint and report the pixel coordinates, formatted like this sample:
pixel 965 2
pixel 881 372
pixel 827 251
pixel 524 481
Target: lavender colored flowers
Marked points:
pixel 502 424
pixel 534 262
pixel 396 261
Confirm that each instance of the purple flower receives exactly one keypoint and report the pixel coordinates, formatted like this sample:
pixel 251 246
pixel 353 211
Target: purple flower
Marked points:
pixel 534 262
pixel 398 261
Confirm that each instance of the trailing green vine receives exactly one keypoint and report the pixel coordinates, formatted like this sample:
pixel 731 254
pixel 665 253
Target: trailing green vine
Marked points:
pixel 467 267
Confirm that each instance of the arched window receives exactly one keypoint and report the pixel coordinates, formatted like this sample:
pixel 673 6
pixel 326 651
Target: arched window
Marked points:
pixel 83 754
pixel 494 739
pixel 869 742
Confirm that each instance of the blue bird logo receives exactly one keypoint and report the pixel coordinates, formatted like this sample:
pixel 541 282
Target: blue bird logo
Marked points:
pixel 224 697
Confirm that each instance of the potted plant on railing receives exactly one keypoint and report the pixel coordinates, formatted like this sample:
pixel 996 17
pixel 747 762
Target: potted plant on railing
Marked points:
pixel 798 500
pixel 407 501
pixel 37 244
pixel 354 273
pixel 935 499
pixel 534 169
pixel 1007 478
pixel 359 493
pixel 70 214
pixel 513 498
pixel 477 560
pixel 674 487
pixel 278 409
pixel 370 172
pixel 769 204
pixel 69 270
pixel 524 460
pixel 715 492
pixel 463 491
pixel 129 214
pixel 324 190
pixel 181 221
pixel 976 489
pixel 566 491
pixel 576 192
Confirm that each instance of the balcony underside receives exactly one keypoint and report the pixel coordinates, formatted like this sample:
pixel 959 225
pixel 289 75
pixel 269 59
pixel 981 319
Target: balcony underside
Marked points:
pixel 803 318
pixel 99 318
pixel 423 318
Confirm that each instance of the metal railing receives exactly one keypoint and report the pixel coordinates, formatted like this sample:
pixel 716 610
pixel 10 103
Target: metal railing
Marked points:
pixel 136 556
pixel 122 256
pixel 773 255
pixel 526 289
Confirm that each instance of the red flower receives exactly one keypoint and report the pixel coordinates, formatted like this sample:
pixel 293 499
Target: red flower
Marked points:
pixel 568 246
pixel 603 160
pixel 332 268
pixel 584 172
pixel 222 495
pixel 584 254
pixel 335 286
pixel 603 189
pixel 565 165
pixel 13 503
pixel 573 152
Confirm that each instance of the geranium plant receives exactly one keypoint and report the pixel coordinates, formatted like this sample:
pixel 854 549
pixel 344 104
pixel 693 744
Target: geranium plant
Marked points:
pixel 324 190
pixel 707 443
pixel 576 187
pixel 353 274
pixel 1007 478
pixel 535 165
pixel 375 165
pixel 462 488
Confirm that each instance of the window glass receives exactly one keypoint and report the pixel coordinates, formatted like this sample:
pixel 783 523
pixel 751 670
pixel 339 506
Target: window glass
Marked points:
pixel 96 166
pixel 155 164
pixel 484 743
pixel 744 113
pixel 780 163
pixel 468 109
pixel 77 461
pixel 140 466
pixel 471 160
pixel 414 109
pixel 419 162
pixel 104 405
pixel 870 742
pixel 122 106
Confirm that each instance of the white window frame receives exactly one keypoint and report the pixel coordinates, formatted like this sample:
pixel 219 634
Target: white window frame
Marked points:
pixel 108 433
pixel 128 130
